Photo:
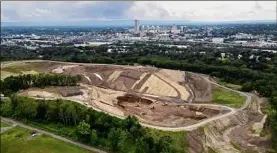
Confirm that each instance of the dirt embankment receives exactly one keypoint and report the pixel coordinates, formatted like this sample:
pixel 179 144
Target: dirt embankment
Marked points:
pixel 232 134
pixel 202 90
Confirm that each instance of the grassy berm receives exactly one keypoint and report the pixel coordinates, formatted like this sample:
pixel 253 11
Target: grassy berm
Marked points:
pixel 227 98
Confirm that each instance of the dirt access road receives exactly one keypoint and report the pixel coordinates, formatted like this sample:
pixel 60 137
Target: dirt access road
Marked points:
pixel 206 121
pixel 185 128
pixel 52 135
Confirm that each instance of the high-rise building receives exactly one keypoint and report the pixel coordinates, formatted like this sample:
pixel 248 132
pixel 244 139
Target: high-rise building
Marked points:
pixel 142 28
pixel 136 26
pixel 174 29
pixel 183 29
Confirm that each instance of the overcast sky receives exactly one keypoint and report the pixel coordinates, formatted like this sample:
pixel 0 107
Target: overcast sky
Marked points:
pixel 64 11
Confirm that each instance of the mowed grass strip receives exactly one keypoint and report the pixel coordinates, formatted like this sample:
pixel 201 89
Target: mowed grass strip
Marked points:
pixel 17 140
pixel 3 124
pixel 227 98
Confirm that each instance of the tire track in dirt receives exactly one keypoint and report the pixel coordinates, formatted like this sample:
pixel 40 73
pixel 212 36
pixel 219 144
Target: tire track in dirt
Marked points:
pixel 142 81
pixel 177 91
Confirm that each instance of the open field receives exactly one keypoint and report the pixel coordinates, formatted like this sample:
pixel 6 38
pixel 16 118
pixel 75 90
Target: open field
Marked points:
pixel 19 140
pixel 227 98
pixel 17 69
pixel 3 124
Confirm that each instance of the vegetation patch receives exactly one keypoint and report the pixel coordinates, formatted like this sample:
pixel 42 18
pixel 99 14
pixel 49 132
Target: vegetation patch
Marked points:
pixel 3 124
pixel 20 68
pixel 212 150
pixel 13 84
pixel 5 74
pixel 79 123
pixel 179 141
pixel 232 86
pixel 16 141
pixel 227 97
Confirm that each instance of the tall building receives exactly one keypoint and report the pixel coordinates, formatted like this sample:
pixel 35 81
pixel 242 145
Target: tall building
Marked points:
pixel 142 28
pixel 174 29
pixel 183 29
pixel 136 26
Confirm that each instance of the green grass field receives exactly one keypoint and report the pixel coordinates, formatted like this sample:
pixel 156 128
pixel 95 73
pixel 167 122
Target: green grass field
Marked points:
pixel 3 124
pixel 16 141
pixel 18 68
pixel 227 97
pixel 179 141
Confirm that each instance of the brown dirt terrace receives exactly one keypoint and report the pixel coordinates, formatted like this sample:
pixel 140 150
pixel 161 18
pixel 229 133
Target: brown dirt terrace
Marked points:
pixel 156 96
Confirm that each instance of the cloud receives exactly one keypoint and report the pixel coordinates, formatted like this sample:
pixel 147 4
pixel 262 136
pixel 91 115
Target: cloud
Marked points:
pixel 62 11
pixel 148 10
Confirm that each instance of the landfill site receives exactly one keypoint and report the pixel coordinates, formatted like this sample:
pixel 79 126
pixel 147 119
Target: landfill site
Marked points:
pixel 155 96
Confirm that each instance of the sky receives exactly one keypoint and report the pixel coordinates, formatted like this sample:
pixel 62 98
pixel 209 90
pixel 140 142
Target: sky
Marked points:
pixel 58 12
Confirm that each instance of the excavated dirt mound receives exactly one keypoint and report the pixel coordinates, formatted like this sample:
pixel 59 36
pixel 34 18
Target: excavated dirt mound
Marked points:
pixel 232 134
pixel 202 89
pixel 166 114
pixel 129 79
pixel 155 96
pixel 53 92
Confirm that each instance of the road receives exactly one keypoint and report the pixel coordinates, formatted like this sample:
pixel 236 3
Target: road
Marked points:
pixel 53 135
pixel 185 128
pixel 247 95
pixel 211 119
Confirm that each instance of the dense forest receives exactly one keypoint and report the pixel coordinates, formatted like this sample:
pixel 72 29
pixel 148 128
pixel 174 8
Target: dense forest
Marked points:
pixel 88 126
pixel 255 70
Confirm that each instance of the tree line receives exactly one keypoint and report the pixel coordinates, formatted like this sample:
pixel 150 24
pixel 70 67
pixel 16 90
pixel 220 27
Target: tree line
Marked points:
pixel 89 126
pixel 124 54
pixel 13 84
